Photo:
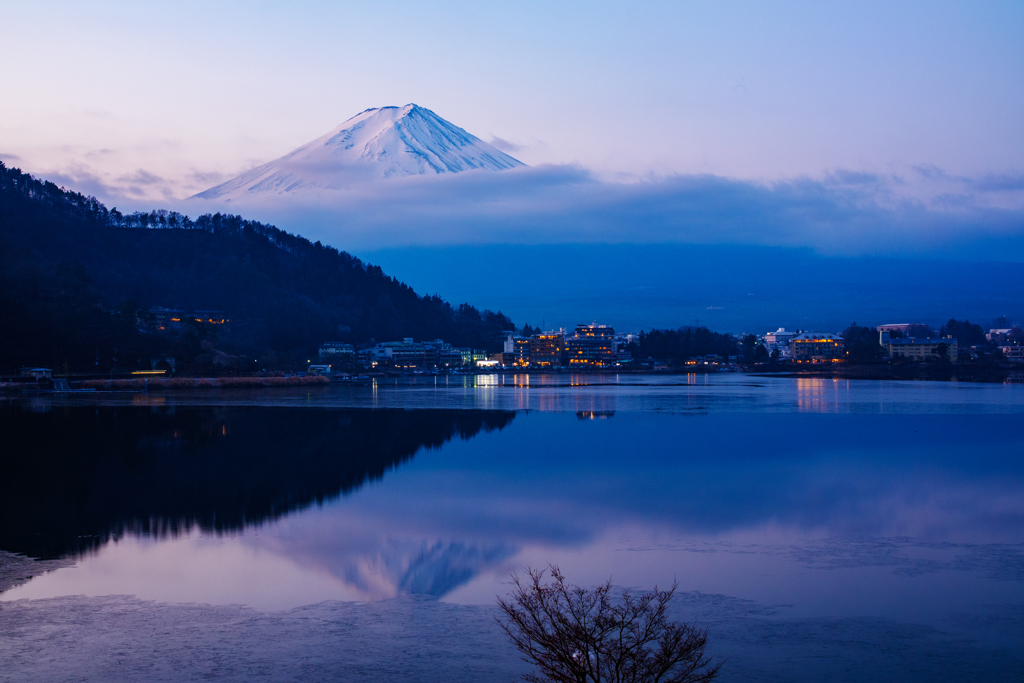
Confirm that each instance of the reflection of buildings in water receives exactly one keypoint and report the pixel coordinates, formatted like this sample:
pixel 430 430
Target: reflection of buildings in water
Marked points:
pixel 553 394
pixel 591 404
pixel 485 386
pixel 818 395
pixel 546 401
pixel 594 414
pixel 38 405
pixel 521 387
pixel 545 380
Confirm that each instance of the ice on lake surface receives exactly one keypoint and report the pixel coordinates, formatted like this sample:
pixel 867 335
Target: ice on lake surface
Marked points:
pixel 821 529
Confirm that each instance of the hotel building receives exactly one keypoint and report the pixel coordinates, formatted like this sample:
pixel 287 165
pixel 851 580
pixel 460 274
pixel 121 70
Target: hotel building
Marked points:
pixel 915 348
pixel 816 347
pixel 592 345
pixel 546 350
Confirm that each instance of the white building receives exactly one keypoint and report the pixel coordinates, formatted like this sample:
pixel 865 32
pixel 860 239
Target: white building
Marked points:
pixel 1014 353
pixel 400 353
pixel 998 335
pixel 779 340
pixel 334 352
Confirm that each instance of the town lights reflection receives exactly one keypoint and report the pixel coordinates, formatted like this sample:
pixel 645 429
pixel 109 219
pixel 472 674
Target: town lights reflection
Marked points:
pixel 818 395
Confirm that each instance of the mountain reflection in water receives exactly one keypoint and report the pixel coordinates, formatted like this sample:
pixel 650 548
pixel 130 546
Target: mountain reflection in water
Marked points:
pixel 76 476
pixel 852 513
pixel 821 529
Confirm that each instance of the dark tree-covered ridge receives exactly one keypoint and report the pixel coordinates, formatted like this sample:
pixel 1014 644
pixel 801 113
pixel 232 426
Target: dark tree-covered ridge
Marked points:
pixel 67 263
pixel 682 344
pixel 965 332
pixel 861 344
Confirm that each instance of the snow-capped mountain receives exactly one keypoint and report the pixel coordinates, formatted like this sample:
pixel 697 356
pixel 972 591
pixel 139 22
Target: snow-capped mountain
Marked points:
pixel 378 143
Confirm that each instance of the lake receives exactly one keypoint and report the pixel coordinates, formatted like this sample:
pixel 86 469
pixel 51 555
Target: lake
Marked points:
pixel 820 529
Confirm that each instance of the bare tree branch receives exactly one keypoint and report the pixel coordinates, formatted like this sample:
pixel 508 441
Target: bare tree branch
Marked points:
pixel 575 635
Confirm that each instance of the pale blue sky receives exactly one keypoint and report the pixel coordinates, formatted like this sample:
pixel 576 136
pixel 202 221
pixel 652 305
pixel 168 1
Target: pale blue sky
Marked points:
pixel 167 98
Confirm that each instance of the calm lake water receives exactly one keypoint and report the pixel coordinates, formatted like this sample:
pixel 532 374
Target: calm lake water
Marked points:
pixel 848 530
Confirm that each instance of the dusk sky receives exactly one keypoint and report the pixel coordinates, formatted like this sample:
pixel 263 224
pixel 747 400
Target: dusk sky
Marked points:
pixel 896 117
pixel 334 332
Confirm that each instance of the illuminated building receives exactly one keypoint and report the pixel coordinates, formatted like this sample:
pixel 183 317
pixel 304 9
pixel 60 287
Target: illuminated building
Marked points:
pixel 816 347
pixel 470 357
pixel 165 320
pixel 591 351
pixel 592 345
pixel 209 317
pixel 521 353
pixel 546 350
pixel 595 331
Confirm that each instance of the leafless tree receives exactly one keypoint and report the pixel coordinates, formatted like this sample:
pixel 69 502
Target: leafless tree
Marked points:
pixel 576 635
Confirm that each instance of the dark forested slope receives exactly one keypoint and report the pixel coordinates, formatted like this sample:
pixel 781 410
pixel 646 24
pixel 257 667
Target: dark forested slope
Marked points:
pixel 73 273
pixel 76 476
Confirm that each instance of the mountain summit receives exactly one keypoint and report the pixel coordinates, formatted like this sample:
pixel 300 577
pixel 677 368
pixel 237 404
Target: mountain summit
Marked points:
pixel 387 142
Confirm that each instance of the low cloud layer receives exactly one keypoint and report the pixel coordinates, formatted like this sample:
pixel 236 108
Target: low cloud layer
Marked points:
pixel 506 146
pixel 923 211
pixel 849 213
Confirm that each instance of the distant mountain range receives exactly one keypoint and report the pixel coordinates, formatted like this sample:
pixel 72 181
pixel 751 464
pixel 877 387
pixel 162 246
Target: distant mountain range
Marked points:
pixel 387 142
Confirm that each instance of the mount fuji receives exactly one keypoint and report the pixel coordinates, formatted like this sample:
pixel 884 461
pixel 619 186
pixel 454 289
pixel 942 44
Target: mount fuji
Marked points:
pixel 387 142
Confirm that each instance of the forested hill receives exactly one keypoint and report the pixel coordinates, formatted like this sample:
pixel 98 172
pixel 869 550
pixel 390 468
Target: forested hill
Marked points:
pixel 73 274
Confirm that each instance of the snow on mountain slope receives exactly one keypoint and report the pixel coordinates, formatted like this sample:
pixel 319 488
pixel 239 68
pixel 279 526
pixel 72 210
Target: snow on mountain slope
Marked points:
pixel 378 143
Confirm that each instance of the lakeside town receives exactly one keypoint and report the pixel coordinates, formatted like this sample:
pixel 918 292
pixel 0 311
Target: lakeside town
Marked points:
pixel 595 346
pixel 589 347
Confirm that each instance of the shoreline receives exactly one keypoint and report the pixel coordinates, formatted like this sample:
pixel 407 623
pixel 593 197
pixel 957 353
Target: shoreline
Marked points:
pixel 18 569
pixel 985 374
